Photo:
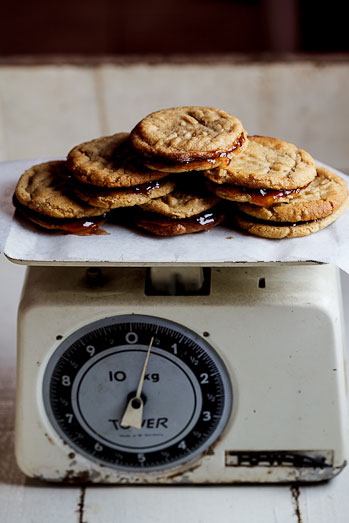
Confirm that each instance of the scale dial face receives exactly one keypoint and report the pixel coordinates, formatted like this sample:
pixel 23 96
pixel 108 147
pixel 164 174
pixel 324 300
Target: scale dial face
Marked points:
pixel 94 373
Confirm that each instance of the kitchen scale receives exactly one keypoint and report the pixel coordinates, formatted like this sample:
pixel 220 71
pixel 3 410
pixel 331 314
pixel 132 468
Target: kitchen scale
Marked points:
pixel 244 381
pixel 179 360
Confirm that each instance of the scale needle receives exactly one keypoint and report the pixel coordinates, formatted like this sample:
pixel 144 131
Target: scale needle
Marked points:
pixel 133 414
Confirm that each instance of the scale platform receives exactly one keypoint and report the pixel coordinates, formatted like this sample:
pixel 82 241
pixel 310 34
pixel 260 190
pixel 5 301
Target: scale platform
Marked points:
pixel 124 246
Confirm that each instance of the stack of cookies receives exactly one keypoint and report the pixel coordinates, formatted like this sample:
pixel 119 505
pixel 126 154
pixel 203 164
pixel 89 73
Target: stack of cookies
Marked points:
pixel 108 175
pixel 181 141
pixel 279 190
pixel 183 170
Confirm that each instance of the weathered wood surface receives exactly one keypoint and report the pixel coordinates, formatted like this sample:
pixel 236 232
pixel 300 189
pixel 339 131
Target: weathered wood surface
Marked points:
pixel 44 111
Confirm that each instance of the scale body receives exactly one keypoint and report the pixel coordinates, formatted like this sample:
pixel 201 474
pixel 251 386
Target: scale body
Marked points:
pixel 272 334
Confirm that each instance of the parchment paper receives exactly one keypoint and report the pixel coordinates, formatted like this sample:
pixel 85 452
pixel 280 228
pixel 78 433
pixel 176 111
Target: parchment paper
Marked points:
pixel 27 244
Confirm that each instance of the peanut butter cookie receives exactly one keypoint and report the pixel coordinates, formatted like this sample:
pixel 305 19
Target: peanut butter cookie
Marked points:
pixel 109 162
pixel 179 204
pixel 43 196
pixel 127 197
pixel 187 138
pixel 279 230
pixel 323 196
pixel 267 163
pixel 45 189
pixel 79 227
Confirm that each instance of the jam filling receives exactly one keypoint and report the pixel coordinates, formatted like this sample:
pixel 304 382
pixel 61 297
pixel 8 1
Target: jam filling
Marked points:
pixel 236 145
pixel 145 188
pixel 78 226
pixel 262 197
pixel 205 220
pixel 210 157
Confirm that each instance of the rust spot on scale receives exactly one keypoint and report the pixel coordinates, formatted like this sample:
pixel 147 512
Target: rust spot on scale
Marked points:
pixel 76 478
pixel 50 440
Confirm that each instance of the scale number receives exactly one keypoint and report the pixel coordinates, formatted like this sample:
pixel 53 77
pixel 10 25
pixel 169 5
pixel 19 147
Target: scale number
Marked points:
pixel 204 378
pixel 131 337
pixel 91 350
pixel 141 458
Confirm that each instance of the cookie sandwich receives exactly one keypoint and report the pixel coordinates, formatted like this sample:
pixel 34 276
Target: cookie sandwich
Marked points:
pixel 183 139
pixel 126 197
pixel 185 210
pixel 266 172
pixel 109 162
pixel 321 203
pixel 43 195
pixel 108 174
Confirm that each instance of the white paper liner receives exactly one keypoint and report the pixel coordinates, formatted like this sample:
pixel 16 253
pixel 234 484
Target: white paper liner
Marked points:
pixel 124 246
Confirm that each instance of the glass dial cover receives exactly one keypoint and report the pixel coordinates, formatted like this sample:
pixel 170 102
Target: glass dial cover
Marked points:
pixel 94 372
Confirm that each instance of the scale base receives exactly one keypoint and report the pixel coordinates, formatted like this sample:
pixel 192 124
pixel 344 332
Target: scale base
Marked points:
pixel 279 331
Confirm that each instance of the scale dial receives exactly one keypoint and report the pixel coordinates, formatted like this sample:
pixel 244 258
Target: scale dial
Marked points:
pixel 94 373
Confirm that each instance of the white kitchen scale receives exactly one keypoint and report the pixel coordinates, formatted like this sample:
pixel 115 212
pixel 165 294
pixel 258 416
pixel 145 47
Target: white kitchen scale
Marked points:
pixel 245 379
pixel 179 360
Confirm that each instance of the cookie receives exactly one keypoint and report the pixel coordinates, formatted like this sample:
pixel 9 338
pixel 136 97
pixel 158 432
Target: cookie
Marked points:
pixel 109 162
pixel 164 226
pixel 127 197
pixel 260 197
pixel 45 189
pixel 179 204
pixel 79 227
pixel 279 230
pixel 267 163
pixel 186 138
pixel 325 194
